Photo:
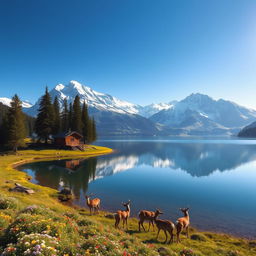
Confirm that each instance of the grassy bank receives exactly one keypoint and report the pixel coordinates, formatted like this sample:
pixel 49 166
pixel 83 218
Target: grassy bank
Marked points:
pixel 38 223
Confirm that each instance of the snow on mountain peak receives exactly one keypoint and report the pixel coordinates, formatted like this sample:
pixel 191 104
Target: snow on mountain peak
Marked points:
pixel 59 87
pixel 7 102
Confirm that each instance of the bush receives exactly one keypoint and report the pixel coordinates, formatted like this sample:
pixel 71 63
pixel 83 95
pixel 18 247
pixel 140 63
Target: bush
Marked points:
pixel 4 220
pixel 28 224
pixel 8 203
pixel 33 244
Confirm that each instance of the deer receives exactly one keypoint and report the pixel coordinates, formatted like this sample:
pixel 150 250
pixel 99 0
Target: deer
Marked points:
pixel 182 223
pixel 93 204
pixel 123 215
pixel 146 215
pixel 165 225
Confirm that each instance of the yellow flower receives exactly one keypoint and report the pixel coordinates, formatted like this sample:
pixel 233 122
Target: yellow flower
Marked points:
pixel 33 242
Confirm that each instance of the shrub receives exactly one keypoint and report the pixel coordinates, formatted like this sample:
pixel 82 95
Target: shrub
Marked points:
pixel 8 203
pixel 28 224
pixel 33 244
pixel 4 220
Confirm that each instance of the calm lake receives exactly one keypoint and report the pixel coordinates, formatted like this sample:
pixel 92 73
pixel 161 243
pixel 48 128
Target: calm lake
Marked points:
pixel 215 178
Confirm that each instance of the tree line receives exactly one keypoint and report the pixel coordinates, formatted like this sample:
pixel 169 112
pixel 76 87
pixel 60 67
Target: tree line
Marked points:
pixel 15 126
pixel 51 121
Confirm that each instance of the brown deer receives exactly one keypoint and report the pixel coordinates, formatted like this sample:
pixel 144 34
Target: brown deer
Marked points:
pixel 165 225
pixel 93 204
pixel 123 215
pixel 146 215
pixel 182 223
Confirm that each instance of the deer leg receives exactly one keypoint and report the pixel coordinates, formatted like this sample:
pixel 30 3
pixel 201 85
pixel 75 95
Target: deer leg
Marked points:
pixel 157 234
pixel 123 222
pixel 152 222
pixel 187 231
pixel 149 224
pixel 139 225
pixel 171 234
pixel 90 211
pixel 117 221
pixel 165 236
pixel 126 221
pixel 142 224
pixel 179 229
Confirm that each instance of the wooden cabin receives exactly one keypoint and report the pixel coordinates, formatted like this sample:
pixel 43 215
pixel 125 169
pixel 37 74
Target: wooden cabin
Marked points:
pixel 71 139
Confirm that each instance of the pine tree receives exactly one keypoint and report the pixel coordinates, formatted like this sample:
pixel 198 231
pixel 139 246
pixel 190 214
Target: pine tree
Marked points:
pixel 45 118
pixel 70 116
pixel 94 131
pixel 16 132
pixel 3 131
pixel 85 122
pixel 65 117
pixel 77 116
pixel 57 121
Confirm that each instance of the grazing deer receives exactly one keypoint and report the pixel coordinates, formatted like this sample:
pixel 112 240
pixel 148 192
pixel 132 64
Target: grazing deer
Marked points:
pixel 146 215
pixel 123 215
pixel 93 204
pixel 165 225
pixel 182 223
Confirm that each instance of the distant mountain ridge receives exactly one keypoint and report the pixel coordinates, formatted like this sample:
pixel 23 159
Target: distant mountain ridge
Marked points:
pixel 197 114
pixel 7 102
pixel 200 114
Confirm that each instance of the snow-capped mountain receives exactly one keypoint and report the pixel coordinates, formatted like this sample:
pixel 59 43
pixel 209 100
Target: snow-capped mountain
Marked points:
pixel 97 100
pixel 152 109
pixel 200 114
pixel 100 101
pixel 112 115
pixel 7 102
pixel 197 114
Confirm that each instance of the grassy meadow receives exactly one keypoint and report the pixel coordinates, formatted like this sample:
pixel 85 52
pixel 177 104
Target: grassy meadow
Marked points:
pixel 39 224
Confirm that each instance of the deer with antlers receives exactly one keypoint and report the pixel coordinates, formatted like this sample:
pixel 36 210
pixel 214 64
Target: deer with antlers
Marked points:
pixel 146 215
pixel 93 204
pixel 182 223
pixel 123 215
pixel 165 225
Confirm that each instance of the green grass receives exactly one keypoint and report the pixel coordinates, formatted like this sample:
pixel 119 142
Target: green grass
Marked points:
pixel 71 231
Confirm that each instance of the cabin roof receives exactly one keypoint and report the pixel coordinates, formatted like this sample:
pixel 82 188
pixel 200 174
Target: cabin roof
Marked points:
pixel 66 134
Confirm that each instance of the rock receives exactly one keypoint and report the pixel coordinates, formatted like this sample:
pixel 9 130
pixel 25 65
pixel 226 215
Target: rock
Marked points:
pixel 20 188
pixel 163 251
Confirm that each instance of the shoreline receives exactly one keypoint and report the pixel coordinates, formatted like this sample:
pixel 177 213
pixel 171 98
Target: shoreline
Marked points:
pixel 105 210
pixel 202 241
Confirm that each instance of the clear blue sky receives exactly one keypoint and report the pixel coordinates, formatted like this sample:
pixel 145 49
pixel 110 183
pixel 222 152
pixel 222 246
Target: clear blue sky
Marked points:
pixel 141 51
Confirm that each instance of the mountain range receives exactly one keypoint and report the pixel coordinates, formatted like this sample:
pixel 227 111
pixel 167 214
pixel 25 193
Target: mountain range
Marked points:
pixel 197 114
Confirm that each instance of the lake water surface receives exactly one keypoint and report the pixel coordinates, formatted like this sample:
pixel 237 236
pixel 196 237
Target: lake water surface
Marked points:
pixel 215 178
